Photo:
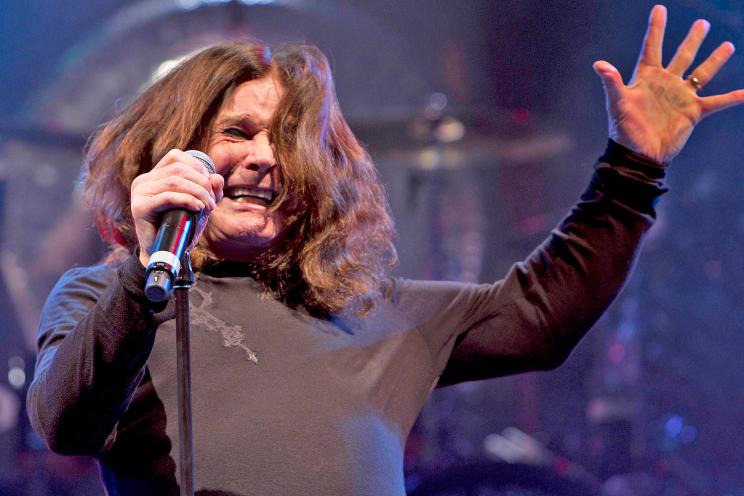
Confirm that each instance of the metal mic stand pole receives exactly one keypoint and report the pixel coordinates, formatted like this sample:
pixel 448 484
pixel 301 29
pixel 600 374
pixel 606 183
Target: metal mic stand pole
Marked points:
pixel 183 370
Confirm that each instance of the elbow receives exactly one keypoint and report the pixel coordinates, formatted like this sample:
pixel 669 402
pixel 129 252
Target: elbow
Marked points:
pixel 559 342
pixel 62 431
pixel 63 440
pixel 554 359
pixel 553 354
pixel 50 429
pixel 56 439
pixel 63 443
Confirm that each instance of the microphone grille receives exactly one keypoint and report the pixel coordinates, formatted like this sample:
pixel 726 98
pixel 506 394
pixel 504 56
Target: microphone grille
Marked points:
pixel 204 159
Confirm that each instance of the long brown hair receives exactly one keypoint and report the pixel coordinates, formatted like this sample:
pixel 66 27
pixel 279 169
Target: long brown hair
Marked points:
pixel 339 246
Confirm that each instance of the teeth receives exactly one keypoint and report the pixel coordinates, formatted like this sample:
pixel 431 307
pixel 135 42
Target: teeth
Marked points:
pixel 239 192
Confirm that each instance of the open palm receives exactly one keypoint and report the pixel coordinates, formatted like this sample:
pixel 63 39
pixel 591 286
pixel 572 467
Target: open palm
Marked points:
pixel 656 112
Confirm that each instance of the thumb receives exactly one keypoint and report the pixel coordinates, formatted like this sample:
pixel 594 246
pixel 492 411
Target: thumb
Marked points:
pixel 611 79
pixel 218 184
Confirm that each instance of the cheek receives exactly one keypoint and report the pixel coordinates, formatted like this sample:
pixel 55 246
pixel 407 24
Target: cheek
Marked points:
pixel 223 155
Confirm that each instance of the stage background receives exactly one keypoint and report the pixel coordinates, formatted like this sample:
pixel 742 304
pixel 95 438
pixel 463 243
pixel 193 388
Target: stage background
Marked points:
pixel 484 118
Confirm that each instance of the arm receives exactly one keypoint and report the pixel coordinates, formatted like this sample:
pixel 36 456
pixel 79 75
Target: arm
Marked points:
pixel 545 304
pixel 96 332
pixel 534 317
pixel 98 328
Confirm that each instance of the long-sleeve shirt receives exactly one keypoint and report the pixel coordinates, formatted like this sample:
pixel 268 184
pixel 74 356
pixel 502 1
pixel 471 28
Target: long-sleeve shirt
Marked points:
pixel 289 403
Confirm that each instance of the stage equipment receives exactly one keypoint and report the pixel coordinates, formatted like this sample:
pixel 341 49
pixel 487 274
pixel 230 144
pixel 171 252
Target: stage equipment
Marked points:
pixel 183 371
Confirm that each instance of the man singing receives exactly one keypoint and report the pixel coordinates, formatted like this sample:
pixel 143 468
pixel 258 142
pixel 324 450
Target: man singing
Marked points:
pixel 310 364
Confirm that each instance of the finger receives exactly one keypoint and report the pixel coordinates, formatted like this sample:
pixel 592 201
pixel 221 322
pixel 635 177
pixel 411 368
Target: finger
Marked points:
pixel 199 231
pixel 689 47
pixel 179 169
pixel 654 39
pixel 611 79
pixel 710 67
pixel 167 200
pixel 218 184
pixel 179 184
pixel 713 104
pixel 175 156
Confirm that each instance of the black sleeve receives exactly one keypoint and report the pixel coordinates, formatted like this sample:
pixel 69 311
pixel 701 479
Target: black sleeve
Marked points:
pixel 536 315
pixel 96 332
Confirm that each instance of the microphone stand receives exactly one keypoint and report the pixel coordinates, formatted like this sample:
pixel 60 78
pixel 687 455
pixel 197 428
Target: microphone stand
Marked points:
pixel 184 281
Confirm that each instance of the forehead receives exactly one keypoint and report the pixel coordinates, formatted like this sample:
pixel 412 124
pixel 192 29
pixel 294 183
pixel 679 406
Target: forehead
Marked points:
pixel 255 100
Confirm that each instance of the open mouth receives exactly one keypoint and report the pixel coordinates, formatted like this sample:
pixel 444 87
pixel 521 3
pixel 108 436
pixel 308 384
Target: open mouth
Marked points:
pixel 249 194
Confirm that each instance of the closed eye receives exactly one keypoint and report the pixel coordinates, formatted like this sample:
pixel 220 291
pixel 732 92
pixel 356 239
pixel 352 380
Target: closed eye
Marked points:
pixel 237 133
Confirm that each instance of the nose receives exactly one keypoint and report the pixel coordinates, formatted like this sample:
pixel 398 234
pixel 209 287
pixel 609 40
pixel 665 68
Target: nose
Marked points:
pixel 260 154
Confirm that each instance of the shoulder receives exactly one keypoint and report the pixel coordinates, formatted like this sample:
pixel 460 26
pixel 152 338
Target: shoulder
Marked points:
pixel 99 275
pixel 406 292
pixel 81 284
pixel 76 291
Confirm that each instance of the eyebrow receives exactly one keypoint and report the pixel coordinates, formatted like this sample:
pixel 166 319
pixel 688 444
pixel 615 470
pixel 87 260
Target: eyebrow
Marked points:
pixel 242 119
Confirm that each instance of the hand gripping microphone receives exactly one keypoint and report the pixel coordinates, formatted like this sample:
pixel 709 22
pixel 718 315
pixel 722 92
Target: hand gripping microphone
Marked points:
pixel 176 231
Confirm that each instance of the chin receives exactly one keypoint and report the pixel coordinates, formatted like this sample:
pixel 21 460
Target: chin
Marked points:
pixel 240 239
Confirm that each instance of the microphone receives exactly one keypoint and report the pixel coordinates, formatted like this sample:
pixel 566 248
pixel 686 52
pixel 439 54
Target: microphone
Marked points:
pixel 175 233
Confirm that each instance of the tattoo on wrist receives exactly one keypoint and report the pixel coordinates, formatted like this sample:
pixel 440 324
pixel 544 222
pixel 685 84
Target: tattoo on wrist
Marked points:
pixel 669 97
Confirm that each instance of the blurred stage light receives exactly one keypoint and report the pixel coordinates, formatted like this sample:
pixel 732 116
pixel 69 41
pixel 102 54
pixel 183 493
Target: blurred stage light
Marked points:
pixel 16 372
pixel 166 66
pixel 195 4
pixel 673 426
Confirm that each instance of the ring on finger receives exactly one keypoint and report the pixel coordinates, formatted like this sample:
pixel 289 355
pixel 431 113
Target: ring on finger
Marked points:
pixel 695 82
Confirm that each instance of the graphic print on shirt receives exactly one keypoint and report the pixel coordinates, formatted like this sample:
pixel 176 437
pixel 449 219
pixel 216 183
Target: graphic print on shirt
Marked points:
pixel 232 335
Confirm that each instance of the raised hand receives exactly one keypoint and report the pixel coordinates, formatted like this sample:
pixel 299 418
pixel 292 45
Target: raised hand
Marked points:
pixel 656 112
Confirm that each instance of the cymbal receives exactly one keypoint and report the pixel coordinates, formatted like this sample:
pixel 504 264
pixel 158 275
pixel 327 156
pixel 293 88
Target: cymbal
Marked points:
pixel 461 138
